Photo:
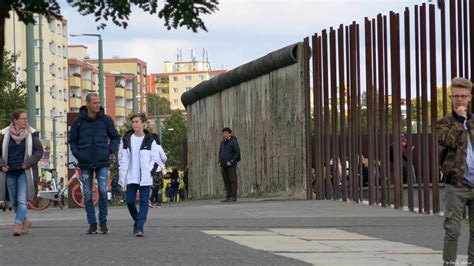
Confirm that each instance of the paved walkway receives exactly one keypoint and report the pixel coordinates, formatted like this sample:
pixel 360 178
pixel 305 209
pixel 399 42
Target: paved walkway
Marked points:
pixel 242 233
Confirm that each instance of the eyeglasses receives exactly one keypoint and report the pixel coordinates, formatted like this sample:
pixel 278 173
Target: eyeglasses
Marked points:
pixel 460 96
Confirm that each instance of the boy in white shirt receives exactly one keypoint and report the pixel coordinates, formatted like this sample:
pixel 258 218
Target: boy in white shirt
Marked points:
pixel 139 157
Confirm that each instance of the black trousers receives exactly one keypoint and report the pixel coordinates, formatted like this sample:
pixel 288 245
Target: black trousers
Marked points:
pixel 229 174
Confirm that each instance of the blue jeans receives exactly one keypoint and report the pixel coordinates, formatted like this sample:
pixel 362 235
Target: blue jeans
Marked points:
pixel 17 191
pixel 87 179
pixel 138 216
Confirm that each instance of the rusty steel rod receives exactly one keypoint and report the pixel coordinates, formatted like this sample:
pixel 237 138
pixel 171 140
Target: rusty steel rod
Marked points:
pixel 381 112
pixel 370 108
pixel 358 104
pixel 443 58
pixel 434 110
pixel 465 38
pixel 387 117
pixel 353 138
pixel 321 172
pixel 419 168
pixel 307 57
pixel 395 80
pixel 334 148
pixel 326 124
pixel 424 105
pixel 342 110
pixel 452 31
pixel 408 150
pixel 471 35
pixel 376 125
pixel 460 37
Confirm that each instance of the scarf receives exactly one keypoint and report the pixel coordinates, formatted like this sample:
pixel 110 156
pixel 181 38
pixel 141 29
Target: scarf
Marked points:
pixel 18 135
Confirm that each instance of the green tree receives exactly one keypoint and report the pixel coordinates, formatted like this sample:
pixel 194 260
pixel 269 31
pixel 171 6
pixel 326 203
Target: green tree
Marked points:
pixel 12 93
pixel 158 105
pixel 173 138
pixel 175 13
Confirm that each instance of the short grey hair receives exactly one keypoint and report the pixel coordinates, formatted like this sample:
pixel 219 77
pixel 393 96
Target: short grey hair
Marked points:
pixel 89 96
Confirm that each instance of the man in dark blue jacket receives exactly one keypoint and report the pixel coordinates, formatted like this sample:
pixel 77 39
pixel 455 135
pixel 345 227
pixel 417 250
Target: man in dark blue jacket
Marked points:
pixel 92 138
pixel 229 155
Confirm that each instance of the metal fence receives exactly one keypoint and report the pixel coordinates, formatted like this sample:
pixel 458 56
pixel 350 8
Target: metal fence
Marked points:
pixel 358 119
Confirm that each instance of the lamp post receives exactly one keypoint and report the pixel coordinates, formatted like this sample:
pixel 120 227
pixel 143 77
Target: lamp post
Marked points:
pixel 101 64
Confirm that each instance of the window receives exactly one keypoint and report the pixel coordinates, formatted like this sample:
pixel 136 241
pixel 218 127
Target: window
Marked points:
pixel 175 78
pixel 201 77
pixel 37 43
pixel 52 69
pixel 38 112
pixel 37 66
pixel 175 101
pixel 37 89
pixel 36 19
pixel 188 88
pixel 175 90
pixel 188 78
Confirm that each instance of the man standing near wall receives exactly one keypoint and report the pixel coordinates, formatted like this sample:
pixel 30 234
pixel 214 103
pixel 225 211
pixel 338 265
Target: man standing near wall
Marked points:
pixel 455 136
pixel 229 155
pixel 92 138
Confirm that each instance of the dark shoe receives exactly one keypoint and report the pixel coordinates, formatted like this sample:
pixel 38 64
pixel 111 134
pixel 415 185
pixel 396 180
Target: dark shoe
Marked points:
pixel 139 232
pixel 231 199
pixel 135 230
pixel 92 229
pixel 104 229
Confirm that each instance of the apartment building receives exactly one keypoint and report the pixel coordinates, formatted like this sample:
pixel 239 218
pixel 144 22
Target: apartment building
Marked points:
pixel 128 67
pixel 180 77
pixel 55 78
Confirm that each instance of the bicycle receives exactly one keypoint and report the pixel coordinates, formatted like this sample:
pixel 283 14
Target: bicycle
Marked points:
pixel 44 197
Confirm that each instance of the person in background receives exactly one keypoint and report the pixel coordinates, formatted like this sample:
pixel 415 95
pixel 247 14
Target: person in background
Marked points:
pixel 20 152
pixel 174 181
pixel 157 189
pixel 185 181
pixel 229 155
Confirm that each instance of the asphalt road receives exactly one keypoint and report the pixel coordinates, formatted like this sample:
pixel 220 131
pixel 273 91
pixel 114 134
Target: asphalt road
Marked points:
pixel 173 233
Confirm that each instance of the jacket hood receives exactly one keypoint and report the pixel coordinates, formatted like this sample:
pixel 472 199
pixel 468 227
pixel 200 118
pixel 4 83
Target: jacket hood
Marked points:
pixel 83 113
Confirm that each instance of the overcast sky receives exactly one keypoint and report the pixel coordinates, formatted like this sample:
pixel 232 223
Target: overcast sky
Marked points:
pixel 241 31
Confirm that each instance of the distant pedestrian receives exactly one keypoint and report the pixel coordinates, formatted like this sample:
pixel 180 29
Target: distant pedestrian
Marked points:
pixel 455 134
pixel 229 155
pixel 169 193
pixel 157 189
pixel 174 180
pixel 139 157
pixel 92 139
pixel 185 181
pixel 20 152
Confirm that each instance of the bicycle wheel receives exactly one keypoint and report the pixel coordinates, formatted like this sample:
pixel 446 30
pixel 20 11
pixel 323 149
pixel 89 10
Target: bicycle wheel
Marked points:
pixel 38 204
pixel 78 195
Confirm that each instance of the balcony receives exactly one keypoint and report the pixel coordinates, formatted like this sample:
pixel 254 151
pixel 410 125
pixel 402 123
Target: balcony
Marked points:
pixel 129 94
pixel 119 92
pixel 86 84
pixel 120 111
pixel 74 103
pixel 75 81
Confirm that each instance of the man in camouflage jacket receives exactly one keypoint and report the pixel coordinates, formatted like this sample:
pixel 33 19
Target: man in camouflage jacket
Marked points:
pixel 456 137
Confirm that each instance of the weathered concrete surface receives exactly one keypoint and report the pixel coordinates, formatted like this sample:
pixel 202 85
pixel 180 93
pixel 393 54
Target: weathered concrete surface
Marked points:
pixel 267 115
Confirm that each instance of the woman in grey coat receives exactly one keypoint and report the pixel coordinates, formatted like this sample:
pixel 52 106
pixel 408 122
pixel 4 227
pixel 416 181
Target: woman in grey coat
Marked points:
pixel 20 152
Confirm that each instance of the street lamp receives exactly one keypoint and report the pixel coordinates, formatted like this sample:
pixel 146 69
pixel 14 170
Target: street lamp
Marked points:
pixel 101 64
